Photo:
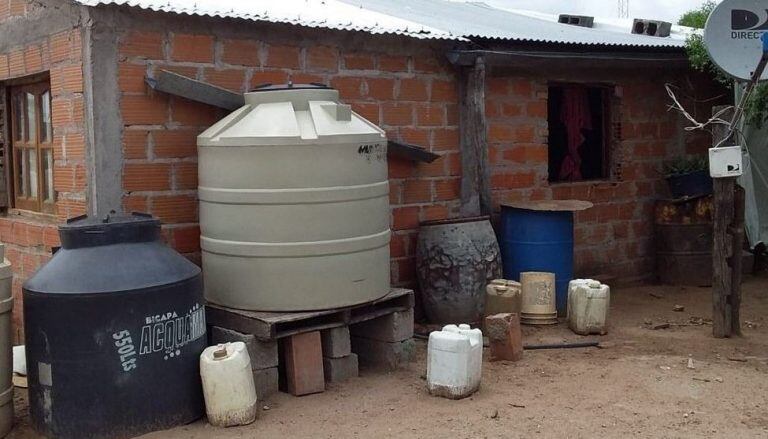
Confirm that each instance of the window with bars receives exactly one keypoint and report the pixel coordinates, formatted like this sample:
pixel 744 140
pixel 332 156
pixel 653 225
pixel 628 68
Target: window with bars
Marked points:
pixel 32 148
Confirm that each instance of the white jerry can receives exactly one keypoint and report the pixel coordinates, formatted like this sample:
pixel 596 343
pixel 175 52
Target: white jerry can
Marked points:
pixel 588 304
pixel 228 387
pixel 454 361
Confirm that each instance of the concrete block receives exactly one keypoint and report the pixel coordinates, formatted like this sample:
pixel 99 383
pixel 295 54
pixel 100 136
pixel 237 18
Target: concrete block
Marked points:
pixel 267 382
pixel 303 359
pixel 397 326
pixel 340 369
pixel 382 354
pixel 336 342
pixel 263 354
pixel 505 337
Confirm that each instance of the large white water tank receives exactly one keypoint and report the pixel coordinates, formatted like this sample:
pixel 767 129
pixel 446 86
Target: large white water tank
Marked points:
pixel 294 203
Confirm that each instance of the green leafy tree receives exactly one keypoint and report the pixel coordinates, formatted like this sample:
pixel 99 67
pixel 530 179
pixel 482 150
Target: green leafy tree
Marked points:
pixel 756 110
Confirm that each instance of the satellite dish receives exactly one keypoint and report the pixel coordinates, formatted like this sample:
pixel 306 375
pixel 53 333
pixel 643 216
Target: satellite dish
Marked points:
pixel 733 36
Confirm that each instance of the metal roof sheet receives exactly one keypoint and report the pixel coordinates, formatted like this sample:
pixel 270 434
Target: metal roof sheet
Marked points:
pixel 478 20
pixel 425 19
pixel 330 14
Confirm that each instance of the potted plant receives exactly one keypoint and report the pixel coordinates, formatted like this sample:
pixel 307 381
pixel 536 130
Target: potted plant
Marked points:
pixel 688 177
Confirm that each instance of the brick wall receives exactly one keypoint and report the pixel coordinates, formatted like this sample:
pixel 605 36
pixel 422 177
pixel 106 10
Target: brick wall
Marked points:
pixel 412 97
pixel 412 94
pixel 614 237
pixel 29 238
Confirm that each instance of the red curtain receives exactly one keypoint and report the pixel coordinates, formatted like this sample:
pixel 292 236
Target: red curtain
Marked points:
pixel 576 116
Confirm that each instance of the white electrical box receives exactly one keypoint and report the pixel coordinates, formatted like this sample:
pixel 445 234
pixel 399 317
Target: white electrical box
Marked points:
pixel 725 161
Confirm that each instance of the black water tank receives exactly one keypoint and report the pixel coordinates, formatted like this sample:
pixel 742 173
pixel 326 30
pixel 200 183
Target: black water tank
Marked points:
pixel 114 327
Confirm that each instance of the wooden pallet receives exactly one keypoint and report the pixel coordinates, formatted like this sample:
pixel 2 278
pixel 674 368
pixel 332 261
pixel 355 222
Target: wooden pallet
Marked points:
pixel 274 325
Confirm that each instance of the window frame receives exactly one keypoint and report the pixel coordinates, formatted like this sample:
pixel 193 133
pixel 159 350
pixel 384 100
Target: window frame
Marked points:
pixel 41 149
pixel 608 92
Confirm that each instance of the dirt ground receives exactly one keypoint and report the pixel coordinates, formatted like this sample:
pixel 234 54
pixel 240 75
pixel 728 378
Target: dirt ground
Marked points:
pixel 638 385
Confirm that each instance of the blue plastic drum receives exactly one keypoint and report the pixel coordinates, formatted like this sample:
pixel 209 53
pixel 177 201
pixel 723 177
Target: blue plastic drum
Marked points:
pixel 538 236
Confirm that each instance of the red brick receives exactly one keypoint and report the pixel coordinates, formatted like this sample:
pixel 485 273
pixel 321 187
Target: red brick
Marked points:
pixel 447 189
pixel 417 191
pixel 185 175
pixel 389 63
pixel 444 90
pixel 135 203
pixel 406 270
pixel 445 139
pixel 429 64
pixel 397 114
pixel 522 87
pixel 303 359
pixel 511 110
pixel 4 72
pixel 241 52
pixel 430 115
pixel 144 110
pixel 68 178
pixel 512 180
pixel 415 136
pixel 135 144
pixel 33 59
pixel 434 169
pixel 349 87
pixel 399 168
pixel 404 218
pixel 186 239
pixel 536 109
pixel 369 111
pixel 146 176
pixel 413 89
pixel 147 45
pixel 175 209
pixel 191 113
pixel 192 48
pixel 34 234
pixel 69 208
pixel 284 57
pixel 454 164
pixel 16 63
pixel 434 212
pixel 230 79
pixel 506 340
pixel 358 61
pixel 269 77
pixel 5 9
pixel 131 78
pixel 527 153
pixel 71 146
pixel 380 88
pixel 398 245
pixel 323 58
pixel 499 132
pixel 50 237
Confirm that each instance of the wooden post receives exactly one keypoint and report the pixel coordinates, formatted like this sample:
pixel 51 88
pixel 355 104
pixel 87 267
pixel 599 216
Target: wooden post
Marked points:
pixel 727 252
pixel 475 181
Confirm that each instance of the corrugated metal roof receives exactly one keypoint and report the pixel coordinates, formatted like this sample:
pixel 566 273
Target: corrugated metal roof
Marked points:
pixel 425 19
pixel 478 20
pixel 330 14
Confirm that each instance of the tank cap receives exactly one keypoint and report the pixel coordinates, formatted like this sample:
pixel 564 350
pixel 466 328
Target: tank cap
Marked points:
pixel 221 353
pixel 92 231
